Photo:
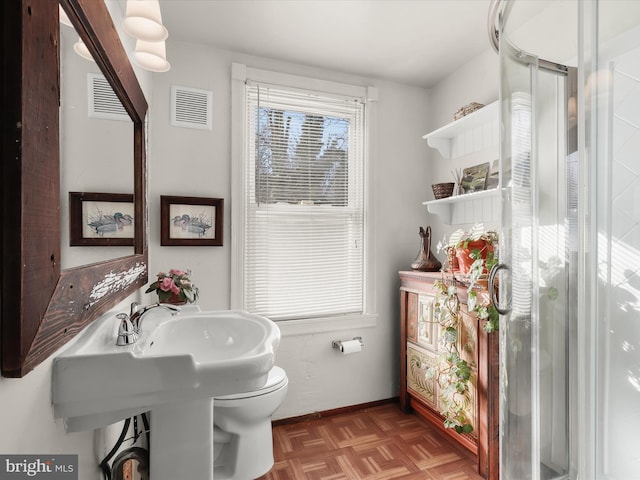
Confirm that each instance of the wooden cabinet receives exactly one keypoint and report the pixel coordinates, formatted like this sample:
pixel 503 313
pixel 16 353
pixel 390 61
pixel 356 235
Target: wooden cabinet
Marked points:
pixel 420 348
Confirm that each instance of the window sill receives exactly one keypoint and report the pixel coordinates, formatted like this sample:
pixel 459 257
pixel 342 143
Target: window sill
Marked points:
pixel 329 324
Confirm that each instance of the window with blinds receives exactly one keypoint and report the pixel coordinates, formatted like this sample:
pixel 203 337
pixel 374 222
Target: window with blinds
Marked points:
pixel 304 203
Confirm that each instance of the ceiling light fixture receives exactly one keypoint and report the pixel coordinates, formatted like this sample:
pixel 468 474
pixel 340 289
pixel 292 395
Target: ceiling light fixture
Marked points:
pixel 151 56
pixel 143 21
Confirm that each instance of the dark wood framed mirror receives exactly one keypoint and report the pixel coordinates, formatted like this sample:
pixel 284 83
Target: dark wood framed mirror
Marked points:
pixel 42 306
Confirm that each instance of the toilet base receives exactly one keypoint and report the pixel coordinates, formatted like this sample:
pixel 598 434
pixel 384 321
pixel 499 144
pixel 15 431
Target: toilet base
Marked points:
pixel 242 432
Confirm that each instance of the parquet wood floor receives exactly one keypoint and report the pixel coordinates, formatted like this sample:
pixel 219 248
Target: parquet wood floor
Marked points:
pixel 378 443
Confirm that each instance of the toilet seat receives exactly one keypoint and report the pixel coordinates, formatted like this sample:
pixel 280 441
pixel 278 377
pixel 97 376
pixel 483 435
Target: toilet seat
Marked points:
pixel 276 379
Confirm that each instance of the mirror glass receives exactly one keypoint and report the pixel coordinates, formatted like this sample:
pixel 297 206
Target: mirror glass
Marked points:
pixel 96 156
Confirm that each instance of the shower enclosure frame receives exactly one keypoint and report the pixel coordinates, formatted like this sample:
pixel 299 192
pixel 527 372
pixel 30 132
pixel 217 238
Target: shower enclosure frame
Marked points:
pixel 526 451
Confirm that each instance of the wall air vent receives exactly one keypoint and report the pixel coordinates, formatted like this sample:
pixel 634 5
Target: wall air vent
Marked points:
pixel 191 108
pixel 103 102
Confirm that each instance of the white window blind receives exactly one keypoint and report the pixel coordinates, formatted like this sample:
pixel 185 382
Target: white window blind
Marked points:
pixel 304 204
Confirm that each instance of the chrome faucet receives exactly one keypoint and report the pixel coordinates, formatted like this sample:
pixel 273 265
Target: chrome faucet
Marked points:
pixel 137 311
pixel 127 334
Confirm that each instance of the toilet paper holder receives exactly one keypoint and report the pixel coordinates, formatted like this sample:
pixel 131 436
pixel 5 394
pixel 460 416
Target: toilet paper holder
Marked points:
pixel 337 344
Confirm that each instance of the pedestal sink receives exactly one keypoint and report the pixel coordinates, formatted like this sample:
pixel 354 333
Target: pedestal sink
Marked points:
pixel 174 370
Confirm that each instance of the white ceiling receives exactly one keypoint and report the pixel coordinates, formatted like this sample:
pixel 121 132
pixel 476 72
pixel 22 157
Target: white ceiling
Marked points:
pixel 415 42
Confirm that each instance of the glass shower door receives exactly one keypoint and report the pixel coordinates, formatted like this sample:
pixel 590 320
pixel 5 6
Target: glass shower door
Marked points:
pixel 612 93
pixel 537 242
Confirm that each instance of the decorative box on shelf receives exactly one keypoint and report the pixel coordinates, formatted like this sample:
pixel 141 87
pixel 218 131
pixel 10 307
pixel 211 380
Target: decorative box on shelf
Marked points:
pixel 467 110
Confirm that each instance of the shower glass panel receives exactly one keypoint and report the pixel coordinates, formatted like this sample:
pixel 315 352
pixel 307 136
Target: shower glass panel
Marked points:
pixel 612 90
pixel 538 169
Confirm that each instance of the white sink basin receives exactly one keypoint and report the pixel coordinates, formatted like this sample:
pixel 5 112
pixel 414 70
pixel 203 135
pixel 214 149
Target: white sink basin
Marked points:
pixel 176 367
pixel 192 354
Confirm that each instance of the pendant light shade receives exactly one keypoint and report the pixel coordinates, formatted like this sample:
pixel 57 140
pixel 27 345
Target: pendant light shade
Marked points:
pixel 81 49
pixel 151 56
pixel 143 21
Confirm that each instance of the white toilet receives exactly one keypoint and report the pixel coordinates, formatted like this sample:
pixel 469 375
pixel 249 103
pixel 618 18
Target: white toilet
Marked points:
pixel 242 438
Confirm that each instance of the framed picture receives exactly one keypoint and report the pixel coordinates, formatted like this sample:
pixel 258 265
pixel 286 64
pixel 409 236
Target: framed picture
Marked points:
pixel 494 176
pixel 191 221
pixel 474 179
pixel 100 219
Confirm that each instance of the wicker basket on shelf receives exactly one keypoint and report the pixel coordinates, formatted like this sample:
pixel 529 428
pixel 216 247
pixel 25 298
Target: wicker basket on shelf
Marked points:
pixel 442 190
pixel 467 109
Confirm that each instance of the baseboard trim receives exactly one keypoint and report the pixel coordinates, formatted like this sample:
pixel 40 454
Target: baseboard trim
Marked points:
pixel 333 411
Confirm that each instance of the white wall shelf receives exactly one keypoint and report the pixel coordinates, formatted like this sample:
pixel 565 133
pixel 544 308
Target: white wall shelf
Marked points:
pixel 475 132
pixel 473 207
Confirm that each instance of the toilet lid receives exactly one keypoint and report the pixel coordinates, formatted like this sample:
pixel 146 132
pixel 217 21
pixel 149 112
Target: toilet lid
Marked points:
pixel 276 379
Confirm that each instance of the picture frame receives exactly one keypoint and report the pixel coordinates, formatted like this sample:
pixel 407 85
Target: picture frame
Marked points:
pixel 191 221
pixel 474 179
pixel 493 177
pixel 101 219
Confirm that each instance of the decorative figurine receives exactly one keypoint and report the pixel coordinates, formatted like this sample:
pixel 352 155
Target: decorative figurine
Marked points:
pixel 426 261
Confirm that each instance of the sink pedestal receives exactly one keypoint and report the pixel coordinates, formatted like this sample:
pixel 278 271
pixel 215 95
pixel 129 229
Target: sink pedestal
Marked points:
pixel 182 440
pixel 174 370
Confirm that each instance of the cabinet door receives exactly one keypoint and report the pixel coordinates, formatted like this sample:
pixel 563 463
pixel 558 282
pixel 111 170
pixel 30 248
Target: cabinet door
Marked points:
pixel 467 402
pixel 467 347
pixel 412 317
pixel 419 383
pixel 468 337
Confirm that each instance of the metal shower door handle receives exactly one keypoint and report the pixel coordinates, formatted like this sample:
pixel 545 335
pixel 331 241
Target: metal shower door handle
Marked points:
pixel 492 291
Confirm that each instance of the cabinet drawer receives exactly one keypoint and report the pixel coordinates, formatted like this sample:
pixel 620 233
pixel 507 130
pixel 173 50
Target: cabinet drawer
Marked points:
pixel 421 328
pixel 427 326
pixel 418 383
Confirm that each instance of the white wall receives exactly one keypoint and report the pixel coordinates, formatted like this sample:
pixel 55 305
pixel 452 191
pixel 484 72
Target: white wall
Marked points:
pixel 198 163
pixel 28 426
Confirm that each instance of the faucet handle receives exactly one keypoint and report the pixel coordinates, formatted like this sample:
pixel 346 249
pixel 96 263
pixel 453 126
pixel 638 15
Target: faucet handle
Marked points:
pixel 126 333
pixel 134 308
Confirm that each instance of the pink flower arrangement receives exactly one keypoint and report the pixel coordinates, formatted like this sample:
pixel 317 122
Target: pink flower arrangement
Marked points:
pixel 177 283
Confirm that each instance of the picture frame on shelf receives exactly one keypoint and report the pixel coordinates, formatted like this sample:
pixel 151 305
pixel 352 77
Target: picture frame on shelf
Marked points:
pixel 493 177
pixel 474 179
pixel 101 219
pixel 191 221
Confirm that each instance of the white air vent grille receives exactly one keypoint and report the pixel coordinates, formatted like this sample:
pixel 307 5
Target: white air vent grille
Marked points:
pixel 191 108
pixel 103 102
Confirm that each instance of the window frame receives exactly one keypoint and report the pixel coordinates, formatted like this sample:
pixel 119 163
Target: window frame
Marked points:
pixel 240 75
